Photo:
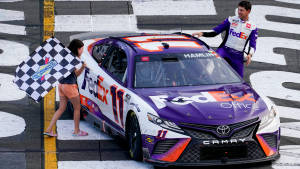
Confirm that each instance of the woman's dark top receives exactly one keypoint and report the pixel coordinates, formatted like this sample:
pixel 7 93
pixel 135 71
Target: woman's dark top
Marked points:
pixel 71 79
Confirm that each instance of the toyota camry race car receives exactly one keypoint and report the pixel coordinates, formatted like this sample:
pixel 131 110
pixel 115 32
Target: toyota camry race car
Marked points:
pixel 176 102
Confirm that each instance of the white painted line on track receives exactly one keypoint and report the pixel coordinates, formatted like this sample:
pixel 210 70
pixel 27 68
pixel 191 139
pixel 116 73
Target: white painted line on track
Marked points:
pixel 8 15
pixel 12 29
pixel 289 158
pixel 11 0
pixel 8 90
pixel 65 129
pixel 126 164
pixel 259 12
pixel 93 23
pixel 92 0
pixel 10 124
pixel 290 129
pixel 13 52
pixel 266 82
pixel 265 49
pixel 289 1
pixel 288 112
pixel 167 7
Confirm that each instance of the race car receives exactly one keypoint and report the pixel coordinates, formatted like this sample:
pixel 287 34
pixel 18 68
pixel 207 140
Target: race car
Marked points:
pixel 176 102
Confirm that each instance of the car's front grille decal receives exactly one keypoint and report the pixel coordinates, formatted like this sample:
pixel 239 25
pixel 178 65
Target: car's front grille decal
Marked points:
pixel 271 139
pixel 164 146
pixel 203 130
pixel 244 132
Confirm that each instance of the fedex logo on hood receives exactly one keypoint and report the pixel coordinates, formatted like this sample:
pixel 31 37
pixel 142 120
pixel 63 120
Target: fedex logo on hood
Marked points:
pixel 202 97
pixel 241 35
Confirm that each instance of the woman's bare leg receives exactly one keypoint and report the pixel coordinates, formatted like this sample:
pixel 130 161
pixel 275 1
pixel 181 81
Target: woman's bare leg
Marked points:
pixel 76 105
pixel 62 107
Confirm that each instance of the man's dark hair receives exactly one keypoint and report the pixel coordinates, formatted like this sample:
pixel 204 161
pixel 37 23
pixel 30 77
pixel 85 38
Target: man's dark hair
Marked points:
pixel 245 4
pixel 74 45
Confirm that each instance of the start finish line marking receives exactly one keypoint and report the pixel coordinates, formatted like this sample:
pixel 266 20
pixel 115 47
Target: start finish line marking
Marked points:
pixel 65 130
pixel 50 159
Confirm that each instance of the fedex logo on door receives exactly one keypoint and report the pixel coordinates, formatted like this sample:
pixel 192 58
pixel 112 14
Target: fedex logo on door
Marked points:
pixel 241 35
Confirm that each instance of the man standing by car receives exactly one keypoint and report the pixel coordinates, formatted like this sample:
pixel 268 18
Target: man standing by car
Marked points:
pixel 239 30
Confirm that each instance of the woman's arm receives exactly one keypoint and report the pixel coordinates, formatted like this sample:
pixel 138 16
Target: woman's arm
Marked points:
pixel 79 71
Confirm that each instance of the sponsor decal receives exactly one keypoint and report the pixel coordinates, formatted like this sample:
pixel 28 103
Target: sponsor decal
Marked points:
pixel 234 24
pixel 145 59
pixel 214 53
pixel 235 101
pixel 218 142
pixel 198 55
pixel 44 69
pixel 236 105
pixel 161 134
pixel 248 25
pixel 241 35
pixel 235 20
pixel 149 139
pixel 94 86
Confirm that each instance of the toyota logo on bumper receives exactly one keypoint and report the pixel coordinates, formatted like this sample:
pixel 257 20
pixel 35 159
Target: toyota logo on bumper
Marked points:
pixel 223 130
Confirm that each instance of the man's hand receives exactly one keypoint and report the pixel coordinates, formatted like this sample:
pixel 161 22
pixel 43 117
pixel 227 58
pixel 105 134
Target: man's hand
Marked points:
pixel 248 59
pixel 198 34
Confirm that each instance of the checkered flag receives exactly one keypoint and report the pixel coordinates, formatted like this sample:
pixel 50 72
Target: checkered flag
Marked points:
pixel 42 70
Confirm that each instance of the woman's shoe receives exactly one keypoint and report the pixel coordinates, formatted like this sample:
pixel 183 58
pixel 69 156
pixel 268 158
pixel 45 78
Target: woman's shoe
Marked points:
pixel 80 133
pixel 51 134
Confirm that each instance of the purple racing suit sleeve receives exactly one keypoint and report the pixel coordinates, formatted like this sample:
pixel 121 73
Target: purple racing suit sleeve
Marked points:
pixel 225 25
pixel 252 43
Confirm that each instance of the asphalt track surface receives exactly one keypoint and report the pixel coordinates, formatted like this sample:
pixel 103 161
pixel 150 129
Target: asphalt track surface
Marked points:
pixel 26 148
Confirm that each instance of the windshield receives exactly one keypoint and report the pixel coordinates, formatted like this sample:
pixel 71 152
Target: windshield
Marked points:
pixel 186 69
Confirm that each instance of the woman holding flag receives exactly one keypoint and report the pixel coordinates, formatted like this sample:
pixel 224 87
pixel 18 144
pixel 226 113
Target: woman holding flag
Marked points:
pixel 68 90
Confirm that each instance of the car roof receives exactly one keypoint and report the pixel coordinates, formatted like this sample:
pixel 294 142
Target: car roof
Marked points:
pixel 163 43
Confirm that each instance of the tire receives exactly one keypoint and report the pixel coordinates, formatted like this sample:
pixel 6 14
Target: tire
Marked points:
pixel 134 138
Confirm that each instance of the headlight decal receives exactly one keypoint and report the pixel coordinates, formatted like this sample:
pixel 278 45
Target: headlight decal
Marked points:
pixel 174 153
pixel 269 151
pixel 164 123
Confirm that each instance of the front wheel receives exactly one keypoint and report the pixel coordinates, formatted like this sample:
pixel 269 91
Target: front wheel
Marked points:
pixel 134 138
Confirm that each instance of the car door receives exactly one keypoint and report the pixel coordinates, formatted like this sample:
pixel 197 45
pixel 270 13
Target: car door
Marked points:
pixel 115 68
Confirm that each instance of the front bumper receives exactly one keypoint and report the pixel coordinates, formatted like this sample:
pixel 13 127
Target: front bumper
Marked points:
pixel 205 149
pixel 212 162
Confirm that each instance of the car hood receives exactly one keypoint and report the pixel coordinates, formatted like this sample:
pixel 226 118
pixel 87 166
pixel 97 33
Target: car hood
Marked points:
pixel 221 105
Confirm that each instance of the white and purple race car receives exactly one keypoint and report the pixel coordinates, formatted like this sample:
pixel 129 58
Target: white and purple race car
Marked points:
pixel 176 102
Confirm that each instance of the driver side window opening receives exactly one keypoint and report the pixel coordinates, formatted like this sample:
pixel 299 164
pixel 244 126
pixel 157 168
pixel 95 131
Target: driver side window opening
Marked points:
pixel 116 64
pixel 99 52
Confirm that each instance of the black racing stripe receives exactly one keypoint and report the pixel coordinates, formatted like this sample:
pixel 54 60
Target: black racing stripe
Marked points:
pixel 284 140
pixel 78 156
pixel 290 85
pixel 163 22
pixel 283 19
pixel 93 8
pixel 283 102
pixel 90 145
pixel 92 149
pixel 12 160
